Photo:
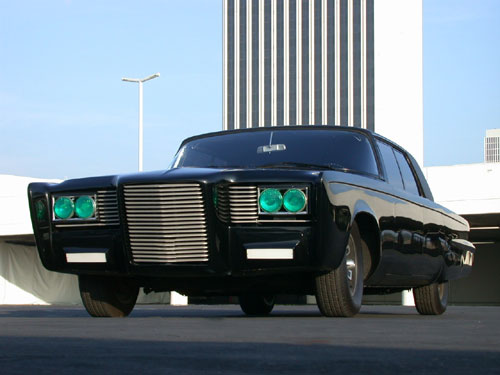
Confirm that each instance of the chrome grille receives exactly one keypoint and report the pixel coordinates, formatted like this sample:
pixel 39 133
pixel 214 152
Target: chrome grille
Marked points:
pixel 243 204
pixel 237 204
pixel 223 203
pixel 166 223
pixel 107 207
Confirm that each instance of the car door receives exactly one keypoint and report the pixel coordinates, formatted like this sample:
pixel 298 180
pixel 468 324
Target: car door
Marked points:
pixel 403 234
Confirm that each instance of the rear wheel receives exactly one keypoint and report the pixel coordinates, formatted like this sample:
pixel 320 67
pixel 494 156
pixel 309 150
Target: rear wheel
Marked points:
pixel 431 299
pixel 257 304
pixel 107 296
pixel 339 292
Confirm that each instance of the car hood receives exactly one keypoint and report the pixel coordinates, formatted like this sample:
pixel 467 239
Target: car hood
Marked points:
pixel 214 175
pixel 201 175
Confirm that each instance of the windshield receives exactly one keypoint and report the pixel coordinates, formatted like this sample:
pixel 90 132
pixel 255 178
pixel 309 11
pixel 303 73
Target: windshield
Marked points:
pixel 328 149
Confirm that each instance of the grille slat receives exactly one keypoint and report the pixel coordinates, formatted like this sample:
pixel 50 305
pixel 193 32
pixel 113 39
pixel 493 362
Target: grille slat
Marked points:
pixel 164 219
pixel 161 242
pixel 167 257
pixel 223 203
pixel 166 193
pixel 188 213
pixel 184 245
pixel 107 207
pixel 164 204
pixel 159 227
pixel 237 204
pixel 243 204
pixel 160 207
pixel 180 254
pixel 166 223
pixel 145 254
pixel 159 197
pixel 162 260
pixel 200 234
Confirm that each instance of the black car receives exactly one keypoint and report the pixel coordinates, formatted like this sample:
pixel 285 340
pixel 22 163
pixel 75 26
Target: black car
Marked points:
pixel 325 210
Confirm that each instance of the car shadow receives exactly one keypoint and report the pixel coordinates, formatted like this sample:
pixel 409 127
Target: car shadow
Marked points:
pixel 201 311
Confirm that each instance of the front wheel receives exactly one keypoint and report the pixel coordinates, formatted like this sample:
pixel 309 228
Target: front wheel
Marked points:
pixel 339 292
pixel 255 305
pixel 431 299
pixel 107 296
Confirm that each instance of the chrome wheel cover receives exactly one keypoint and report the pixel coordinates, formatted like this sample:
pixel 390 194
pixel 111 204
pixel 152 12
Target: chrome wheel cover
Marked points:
pixel 351 266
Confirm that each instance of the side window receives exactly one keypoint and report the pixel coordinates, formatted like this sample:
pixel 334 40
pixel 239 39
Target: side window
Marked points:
pixel 391 165
pixel 408 177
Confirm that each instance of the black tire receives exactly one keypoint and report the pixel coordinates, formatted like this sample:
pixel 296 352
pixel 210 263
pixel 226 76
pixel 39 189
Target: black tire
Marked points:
pixel 339 293
pixel 431 299
pixel 256 305
pixel 107 296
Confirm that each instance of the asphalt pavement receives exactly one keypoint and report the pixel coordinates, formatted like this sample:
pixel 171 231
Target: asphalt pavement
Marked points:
pixel 162 339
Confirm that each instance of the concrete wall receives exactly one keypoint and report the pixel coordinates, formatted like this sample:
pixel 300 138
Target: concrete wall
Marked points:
pixel 473 190
pixel 24 280
pixel 482 287
pixel 467 188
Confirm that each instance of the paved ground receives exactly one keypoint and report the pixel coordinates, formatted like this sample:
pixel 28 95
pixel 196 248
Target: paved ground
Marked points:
pixel 220 340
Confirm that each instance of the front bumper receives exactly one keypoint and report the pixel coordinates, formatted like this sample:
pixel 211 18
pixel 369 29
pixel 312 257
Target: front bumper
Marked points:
pixel 236 251
pixel 243 245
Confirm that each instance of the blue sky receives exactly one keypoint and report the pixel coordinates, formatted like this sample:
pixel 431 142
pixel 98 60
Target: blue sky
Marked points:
pixel 461 78
pixel 64 111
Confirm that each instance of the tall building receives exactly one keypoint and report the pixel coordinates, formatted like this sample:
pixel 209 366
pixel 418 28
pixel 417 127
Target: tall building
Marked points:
pixel 296 62
pixel 316 62
pixel 492 146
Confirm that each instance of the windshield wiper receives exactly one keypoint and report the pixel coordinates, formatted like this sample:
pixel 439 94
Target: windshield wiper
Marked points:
pixel 213 166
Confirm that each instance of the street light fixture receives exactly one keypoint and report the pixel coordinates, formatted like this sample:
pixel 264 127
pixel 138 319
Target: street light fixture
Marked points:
pixel 140 82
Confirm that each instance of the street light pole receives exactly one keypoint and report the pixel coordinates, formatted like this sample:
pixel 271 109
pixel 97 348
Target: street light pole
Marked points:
pixel 175 298
pixel 141 129
pixel 140 82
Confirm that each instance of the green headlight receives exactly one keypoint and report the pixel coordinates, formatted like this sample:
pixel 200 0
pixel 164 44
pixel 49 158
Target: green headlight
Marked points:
pixel 64 208
pixel 85 207
pixel 41 210
pixel 270 200
pixel 294 200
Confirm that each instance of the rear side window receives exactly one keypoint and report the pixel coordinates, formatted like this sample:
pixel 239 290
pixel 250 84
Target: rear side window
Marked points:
pixel 391 165
pixel 408 177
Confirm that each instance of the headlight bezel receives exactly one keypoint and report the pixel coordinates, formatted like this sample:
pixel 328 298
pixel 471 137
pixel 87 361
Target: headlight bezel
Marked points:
pixel 74 217
pixel 283 189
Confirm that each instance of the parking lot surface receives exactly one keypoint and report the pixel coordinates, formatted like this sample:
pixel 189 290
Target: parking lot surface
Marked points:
pixel 221 340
